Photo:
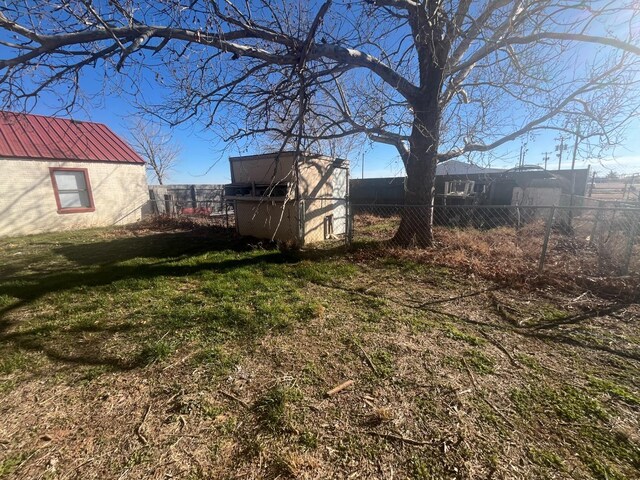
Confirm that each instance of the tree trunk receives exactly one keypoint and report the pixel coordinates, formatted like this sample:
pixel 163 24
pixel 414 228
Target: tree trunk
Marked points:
pixel 432 46
pixel 417 215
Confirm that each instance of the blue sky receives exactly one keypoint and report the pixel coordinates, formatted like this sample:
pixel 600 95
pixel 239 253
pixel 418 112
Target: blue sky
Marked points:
pixel 204 158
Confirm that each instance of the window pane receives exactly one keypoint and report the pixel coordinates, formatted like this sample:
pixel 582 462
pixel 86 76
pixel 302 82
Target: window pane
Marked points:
pixel 74 200
pixel 70 180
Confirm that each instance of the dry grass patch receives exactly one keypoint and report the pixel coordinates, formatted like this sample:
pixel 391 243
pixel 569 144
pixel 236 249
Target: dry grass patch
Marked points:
pixel 161 354
pixel 511 256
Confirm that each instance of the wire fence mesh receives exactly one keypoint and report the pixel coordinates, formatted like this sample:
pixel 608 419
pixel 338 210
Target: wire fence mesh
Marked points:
pixel 579 236
pixel 594 240
pixel 205 212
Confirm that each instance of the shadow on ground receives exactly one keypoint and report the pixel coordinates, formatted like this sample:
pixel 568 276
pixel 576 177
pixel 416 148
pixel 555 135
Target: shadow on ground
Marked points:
pixel 101 263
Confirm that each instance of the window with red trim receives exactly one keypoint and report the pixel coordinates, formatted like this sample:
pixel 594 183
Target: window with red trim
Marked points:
pixel 72 189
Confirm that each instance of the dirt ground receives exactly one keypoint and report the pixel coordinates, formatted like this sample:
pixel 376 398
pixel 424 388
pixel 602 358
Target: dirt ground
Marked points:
pixel 454 376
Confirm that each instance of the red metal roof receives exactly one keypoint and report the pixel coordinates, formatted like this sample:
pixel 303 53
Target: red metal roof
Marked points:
pixel 39 137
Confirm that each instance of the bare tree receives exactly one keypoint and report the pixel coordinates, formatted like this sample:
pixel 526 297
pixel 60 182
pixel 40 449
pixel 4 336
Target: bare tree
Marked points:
pixel 156 147
pixel 437 79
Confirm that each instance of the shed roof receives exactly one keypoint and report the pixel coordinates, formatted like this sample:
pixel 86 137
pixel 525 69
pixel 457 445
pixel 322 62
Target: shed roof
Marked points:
pixel 456 167
pixel 39 137
pixel 337 162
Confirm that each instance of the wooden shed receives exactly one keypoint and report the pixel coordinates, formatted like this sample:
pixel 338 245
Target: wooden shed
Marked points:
pixel 299 198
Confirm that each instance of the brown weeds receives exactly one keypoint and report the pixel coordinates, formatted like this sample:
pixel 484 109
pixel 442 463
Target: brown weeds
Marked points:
pixel 511 256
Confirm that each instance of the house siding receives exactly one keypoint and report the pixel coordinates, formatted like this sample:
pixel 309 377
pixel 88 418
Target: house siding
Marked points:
pixel 28 202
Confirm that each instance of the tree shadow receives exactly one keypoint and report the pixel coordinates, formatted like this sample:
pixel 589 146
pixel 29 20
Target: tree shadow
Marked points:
pixel 104 262
pixel 547 332
pixel 165 245
pixel 101 263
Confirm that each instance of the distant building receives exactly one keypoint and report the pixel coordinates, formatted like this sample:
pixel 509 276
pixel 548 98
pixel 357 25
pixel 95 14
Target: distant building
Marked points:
pixel 59 174
pixel 460 183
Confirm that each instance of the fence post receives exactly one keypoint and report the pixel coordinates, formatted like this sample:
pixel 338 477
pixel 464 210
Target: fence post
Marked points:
pixel 596 220
pixel 349 221
pixel 168 205
pixel 301 223
pixel 194 198
pixel 543 254
pixel 153 201
pixel 632 239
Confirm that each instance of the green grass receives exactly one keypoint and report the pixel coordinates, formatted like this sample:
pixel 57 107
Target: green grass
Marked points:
pixel 384 362
pixel 545 458
pixel 611 388
pixel 453 332
pixel 10 464
pixel 273 408
pixel 567 403
pixel 124 302
pixel 480 362
pixel 217 360
pixel 14 361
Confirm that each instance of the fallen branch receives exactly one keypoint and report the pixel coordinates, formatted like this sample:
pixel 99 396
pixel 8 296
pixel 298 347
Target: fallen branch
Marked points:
pixel 367 358
pixel 580 317
pixel 399 438
pixel 473 379
pixel 339 388
pixel 458 297
pixel 139 429
pixel 496 344
pixel 233 397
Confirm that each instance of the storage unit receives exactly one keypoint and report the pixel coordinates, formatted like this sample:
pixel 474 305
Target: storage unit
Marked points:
pixel 298 198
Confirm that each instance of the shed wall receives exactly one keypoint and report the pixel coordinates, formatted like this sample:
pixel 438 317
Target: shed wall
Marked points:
pixel 315 213
pixel 28 202
pixel 266 219
pixel 260 169
pixel 323 187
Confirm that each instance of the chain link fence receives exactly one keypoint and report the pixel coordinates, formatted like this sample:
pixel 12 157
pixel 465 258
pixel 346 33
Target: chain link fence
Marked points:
pixel 203 212
pixel 580 236
pixel 602 240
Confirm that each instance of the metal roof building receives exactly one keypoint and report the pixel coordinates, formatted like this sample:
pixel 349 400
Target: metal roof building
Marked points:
pixel 38 137
pixel 59 174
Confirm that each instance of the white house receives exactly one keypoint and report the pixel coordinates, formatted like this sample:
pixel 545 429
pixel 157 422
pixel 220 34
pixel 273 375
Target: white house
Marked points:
pixel 59 174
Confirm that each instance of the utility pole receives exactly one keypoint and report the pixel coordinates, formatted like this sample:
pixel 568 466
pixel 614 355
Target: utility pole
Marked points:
pixel 520 156
pixel 575 149
pixel 560 148
pixel 545 158
pixel 573 167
